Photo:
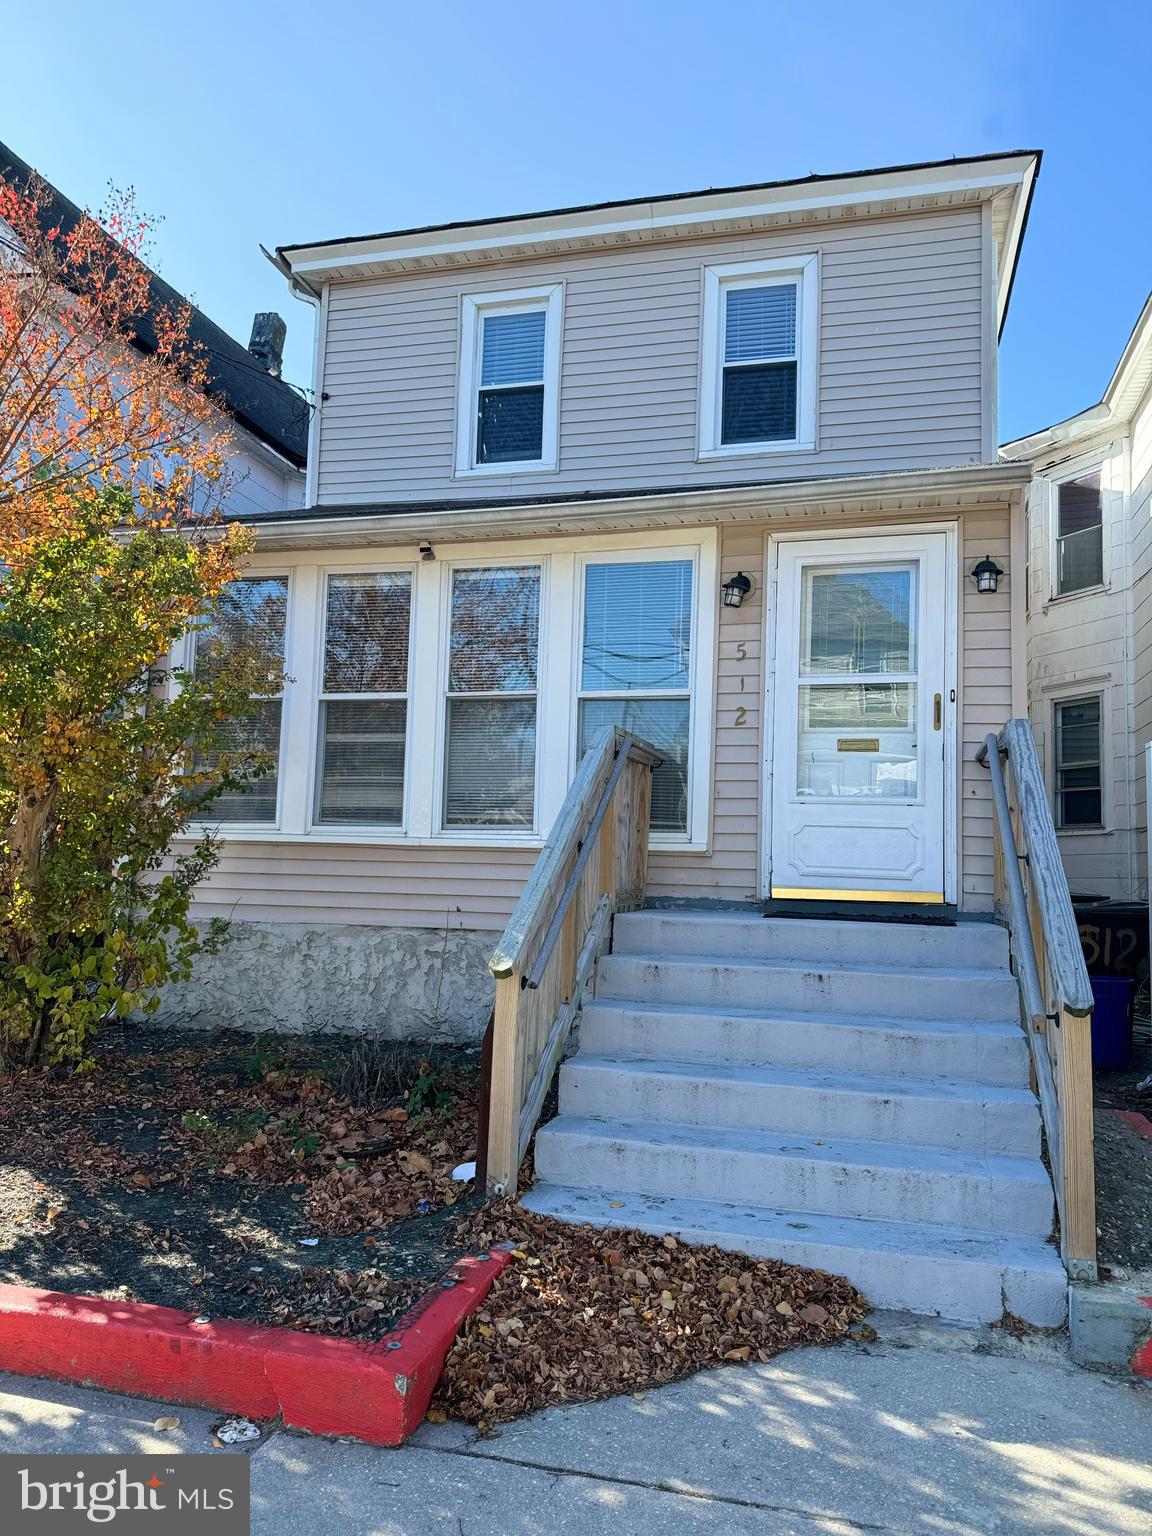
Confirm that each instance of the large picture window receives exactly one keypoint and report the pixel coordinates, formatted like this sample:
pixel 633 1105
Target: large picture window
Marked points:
pixel 363 700
pixel 636 668
pixel 250 614
pixel 493 674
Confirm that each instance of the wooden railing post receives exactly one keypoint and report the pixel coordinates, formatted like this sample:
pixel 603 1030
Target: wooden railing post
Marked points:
pixel 504 1100
pixel 593 863
pixel 1077 1160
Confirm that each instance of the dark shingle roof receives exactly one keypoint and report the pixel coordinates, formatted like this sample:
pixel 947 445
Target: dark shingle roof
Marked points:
pixel 265 405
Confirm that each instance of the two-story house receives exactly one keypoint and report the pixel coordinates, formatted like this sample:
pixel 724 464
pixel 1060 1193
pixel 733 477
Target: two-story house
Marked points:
pixel 719 468
pixel 1090 622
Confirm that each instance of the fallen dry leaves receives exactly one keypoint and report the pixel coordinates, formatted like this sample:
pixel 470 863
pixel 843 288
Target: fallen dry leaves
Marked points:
pixel 581 1314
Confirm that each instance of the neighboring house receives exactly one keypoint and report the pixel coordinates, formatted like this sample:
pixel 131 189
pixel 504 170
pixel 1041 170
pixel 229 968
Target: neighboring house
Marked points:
pixel 269 417
pixel 1090 622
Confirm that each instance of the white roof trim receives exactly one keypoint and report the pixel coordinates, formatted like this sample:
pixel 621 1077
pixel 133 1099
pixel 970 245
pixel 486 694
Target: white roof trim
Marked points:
pixel 508 238
pixel 903 491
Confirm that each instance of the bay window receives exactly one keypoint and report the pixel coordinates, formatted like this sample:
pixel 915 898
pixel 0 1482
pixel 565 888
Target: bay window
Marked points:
pixel 636 668
pixel 363 701
pixel 493 663
pixel 251 614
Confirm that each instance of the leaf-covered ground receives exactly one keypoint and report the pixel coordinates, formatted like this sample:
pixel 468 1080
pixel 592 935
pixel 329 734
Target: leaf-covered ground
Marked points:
pixel 299 1182
pixel 582 1314
pixel 308 1184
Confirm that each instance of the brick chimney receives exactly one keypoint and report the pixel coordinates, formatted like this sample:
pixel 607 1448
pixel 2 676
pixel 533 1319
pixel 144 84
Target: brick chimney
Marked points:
pixel 267 341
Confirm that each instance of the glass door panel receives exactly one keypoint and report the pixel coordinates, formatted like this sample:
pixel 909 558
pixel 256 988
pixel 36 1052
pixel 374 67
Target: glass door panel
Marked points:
pixel 858 729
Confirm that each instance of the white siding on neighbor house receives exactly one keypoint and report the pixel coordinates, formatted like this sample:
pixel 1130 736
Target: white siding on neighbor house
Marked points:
pixel 1140 533
pixel 261 480
pixel 905 333
pixel 1077 647
pixel 313 881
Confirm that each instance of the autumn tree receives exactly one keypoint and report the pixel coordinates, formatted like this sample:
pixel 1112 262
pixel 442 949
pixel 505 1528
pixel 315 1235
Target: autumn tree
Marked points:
pixel 113 463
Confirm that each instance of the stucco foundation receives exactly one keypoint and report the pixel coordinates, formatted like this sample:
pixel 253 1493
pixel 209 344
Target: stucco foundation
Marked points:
pixel 296 978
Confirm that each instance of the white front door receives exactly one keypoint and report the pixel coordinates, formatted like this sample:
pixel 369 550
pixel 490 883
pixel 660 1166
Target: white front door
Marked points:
pixel 859 713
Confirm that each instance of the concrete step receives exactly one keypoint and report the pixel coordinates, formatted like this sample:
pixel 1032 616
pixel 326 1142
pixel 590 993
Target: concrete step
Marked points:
pixel 909 1111
pixel 976 1051
pixel 960 1275
pixel 829 1175
pixel 752 937
pixel 818 986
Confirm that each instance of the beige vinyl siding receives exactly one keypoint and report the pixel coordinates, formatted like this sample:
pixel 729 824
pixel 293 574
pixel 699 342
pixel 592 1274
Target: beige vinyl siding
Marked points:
pixel 900 382
pixel 312 881
pixel 1140 524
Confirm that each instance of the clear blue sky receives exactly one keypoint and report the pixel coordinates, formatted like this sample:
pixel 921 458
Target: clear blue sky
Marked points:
pixel 249 122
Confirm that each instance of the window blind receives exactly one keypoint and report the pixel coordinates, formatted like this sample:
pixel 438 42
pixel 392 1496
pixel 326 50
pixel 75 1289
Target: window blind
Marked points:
pixel 495 630
pixel 663 722
pixel 491 763
pixel 760 323
pixel 366 633
pixel 1080 535
pixel 637 626
pixel 512 349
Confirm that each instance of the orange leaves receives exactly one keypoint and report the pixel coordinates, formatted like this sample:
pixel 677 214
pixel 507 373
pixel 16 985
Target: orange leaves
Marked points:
pixel 100 379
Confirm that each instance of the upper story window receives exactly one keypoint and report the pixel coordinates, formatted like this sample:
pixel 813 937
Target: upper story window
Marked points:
pixel 758 380
pixel 251 613
pixel 509 381
pixel 1079 534
pixel 1079 796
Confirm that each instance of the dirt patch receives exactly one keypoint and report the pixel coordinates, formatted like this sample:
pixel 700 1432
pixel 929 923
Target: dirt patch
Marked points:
pixel 301 1182
pixel 582 1314
pixel 1124 1158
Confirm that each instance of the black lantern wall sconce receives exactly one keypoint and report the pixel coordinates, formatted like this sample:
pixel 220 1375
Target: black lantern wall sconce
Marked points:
pixel 736 589
pixel 986 574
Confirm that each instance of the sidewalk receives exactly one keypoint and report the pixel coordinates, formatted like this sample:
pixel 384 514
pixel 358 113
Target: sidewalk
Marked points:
pixel 931 1431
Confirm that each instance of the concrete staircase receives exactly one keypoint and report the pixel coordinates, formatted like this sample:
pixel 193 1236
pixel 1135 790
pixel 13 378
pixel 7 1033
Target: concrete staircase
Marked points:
pixel 848 1095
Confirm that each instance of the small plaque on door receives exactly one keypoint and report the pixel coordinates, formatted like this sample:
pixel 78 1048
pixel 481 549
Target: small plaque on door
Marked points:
pixel 858 744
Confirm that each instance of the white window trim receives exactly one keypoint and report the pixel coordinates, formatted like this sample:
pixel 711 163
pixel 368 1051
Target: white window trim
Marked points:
pixel 699 714
pixel 1093 464
pixel 560 618
pixel 473 307
pixel 369 830
pixel 462 834
pixel 804 271
pixel 187 661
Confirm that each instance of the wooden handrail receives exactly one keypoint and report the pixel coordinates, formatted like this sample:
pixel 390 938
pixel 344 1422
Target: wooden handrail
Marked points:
pixel 592 865
pixel 1056 994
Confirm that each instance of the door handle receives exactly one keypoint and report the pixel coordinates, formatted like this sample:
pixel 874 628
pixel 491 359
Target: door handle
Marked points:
pixel 937 711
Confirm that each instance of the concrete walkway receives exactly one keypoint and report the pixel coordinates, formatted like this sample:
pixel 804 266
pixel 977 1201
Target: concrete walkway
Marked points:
pixel 930 1432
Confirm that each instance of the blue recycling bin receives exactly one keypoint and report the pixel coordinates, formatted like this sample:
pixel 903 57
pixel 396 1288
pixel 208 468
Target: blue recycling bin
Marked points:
pixel 1112 1021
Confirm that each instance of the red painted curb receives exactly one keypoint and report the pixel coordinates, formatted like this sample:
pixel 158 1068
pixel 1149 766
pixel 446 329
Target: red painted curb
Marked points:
pixel 378 1392
pixel 1142 1359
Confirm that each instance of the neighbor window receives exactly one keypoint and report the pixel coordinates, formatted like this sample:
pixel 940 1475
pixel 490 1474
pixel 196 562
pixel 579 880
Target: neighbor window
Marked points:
pixel 493 666
pixel 250 615
pixel 636 668
pixel 1079 535
pixel 363 699
pixel 509 385
pixel 759 367
pixel 1079 801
